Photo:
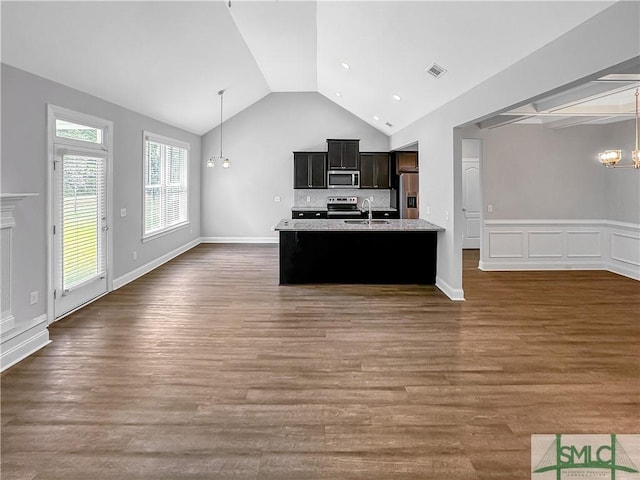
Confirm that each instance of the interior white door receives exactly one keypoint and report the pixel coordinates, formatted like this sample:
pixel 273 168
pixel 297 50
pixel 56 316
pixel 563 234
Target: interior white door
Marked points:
pixel 471 202
pixel 80 226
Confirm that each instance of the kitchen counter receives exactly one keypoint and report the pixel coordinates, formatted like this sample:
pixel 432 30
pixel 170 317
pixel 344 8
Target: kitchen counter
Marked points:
pixel 353 251
pixel 329 225
pixel 323 208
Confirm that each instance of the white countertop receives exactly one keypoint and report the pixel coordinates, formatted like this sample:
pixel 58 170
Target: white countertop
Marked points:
pixel 334 225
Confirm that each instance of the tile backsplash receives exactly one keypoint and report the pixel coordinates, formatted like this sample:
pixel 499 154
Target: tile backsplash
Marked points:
pixel 318 197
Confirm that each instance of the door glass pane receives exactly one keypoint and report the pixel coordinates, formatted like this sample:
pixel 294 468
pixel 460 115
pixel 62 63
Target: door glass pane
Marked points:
pixel 76 131
pixel 82 179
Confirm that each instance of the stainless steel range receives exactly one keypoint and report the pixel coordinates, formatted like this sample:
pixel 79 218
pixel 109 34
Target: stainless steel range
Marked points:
pixel 342 207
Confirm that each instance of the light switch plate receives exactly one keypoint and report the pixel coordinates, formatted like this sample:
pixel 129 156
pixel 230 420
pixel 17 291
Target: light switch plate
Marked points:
pixel 123 212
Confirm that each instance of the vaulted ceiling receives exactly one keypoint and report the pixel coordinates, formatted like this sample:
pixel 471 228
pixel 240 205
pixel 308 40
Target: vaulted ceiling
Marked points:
pixel 168 60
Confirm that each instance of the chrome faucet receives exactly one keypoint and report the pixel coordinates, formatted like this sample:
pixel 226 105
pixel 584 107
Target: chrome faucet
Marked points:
pixel 370 212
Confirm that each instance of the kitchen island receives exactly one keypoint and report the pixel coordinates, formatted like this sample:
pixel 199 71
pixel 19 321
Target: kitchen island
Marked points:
pixel 358 251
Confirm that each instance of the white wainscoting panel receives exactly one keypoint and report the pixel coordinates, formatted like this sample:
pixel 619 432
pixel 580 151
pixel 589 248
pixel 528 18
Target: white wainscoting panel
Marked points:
pixel 545 244
pixel 584 244
pixel 562 245
pixel 506 244
pixel 624 249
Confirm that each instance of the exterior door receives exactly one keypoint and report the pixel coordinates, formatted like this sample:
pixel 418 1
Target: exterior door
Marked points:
pixel 80 227
pixel 79 151
pixel 471 202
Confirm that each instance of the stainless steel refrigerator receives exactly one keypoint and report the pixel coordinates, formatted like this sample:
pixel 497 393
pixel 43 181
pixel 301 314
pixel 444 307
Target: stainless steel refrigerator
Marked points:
pixel 408 200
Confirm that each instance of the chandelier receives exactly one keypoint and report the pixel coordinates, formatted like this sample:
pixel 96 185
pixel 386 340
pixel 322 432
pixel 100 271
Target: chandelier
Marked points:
pixel 610 158
pixel 212 160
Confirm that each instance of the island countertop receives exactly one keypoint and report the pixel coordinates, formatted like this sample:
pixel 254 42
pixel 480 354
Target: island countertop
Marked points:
pixel 335 225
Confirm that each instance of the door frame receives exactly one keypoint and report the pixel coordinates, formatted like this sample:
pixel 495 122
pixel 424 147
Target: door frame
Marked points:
pixel 54 112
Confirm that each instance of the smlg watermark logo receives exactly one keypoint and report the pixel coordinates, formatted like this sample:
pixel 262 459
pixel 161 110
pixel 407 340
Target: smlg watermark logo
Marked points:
pixel 592 457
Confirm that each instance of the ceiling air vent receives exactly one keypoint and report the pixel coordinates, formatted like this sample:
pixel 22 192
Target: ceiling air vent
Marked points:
pixel 436 70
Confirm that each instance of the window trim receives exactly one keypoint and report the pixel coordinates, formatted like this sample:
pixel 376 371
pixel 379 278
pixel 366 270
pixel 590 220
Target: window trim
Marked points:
pixel 153 137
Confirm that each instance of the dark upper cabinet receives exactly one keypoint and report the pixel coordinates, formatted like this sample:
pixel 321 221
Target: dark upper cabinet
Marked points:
pixel 374 170
pixel 343 154
pixel 406 161
pixel 309 170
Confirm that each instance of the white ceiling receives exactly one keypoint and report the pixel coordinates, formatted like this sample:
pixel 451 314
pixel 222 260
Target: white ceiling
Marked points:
pixel 168 60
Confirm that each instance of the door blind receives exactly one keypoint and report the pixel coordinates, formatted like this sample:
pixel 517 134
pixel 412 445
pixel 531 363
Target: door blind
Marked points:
pixel 83 217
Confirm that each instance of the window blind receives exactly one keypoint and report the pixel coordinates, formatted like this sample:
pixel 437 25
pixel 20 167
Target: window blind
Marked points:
pixel 166 190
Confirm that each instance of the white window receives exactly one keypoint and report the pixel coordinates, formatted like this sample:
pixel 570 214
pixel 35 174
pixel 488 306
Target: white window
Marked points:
pixel 166 188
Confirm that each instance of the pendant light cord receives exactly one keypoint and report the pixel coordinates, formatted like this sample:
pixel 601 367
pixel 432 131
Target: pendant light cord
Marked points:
pixel 221 93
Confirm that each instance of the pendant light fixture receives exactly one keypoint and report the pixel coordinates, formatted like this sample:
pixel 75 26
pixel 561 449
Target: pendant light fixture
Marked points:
pixel 212 160
pixel 610 158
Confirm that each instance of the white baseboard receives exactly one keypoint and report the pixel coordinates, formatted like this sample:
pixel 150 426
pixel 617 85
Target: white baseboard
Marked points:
pixel 456 294
pixel 146 268
pixel 34 337
pixel 239 239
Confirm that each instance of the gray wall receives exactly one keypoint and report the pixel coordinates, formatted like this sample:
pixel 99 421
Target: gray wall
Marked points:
pixel 239 201
pixel 532 172
pixel 24 155
pixel 622 185
pixel 580 53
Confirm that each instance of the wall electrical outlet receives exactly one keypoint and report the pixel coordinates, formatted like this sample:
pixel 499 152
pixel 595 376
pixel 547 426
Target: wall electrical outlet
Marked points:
pixel 134 255
pixel 308 199
pixel 33 298
pixel 446 216
pixel 276 198
pixel 123 212
pixel 490 208
pixel 273 228
pixel 428 210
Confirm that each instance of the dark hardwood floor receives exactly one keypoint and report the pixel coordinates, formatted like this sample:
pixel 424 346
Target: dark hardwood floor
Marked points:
pixel 207 369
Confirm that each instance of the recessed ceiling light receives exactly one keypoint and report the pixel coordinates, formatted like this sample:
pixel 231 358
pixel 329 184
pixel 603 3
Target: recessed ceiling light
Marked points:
pixel 345 66
pixel 397 97
pixel 375 117
pixel 338 94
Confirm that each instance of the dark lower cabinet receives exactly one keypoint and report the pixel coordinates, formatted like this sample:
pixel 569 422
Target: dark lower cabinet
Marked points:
pixel 385 214
pixel 374 257
pixel 308 214
pixel 309 170
pixel 375 170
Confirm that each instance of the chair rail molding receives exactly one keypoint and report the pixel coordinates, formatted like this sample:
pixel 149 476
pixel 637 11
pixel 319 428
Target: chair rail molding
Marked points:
pixel 552 244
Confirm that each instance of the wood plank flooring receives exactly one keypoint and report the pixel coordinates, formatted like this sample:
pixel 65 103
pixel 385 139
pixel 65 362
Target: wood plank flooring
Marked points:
pixel 207 369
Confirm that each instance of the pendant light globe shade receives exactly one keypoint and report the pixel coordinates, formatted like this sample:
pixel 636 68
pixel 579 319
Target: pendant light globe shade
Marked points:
pixel 211 162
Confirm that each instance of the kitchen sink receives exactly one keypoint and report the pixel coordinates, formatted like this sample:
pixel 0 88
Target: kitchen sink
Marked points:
pixel 366 222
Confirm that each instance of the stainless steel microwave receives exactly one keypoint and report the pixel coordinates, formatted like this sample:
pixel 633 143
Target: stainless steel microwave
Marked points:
pixel 343 179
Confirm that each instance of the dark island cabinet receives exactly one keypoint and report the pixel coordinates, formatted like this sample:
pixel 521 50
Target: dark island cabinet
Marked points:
pixel 343 154
pixel 375 170
pixel 309 170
